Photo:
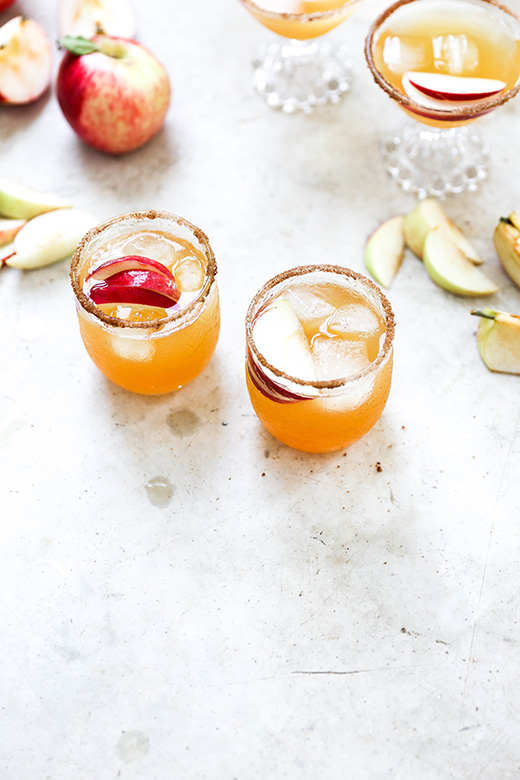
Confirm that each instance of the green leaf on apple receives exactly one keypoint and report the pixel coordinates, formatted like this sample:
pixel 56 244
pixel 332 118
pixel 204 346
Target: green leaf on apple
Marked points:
pixel 78 45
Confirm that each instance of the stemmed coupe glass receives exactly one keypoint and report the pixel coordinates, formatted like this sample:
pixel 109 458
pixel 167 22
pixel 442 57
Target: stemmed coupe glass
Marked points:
pixel 445 63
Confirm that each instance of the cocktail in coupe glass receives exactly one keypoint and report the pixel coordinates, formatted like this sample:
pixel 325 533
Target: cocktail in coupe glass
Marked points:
pixel 147 300
pixel 319 350
pixel 300 73
pixel 446 63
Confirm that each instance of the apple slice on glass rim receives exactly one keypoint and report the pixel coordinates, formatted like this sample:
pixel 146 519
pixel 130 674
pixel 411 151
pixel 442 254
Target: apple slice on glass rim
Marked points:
pixel 25 61
pixel 443 86
pixel 142 288
pixel 108 269
pixel 89 17
pixel 280 339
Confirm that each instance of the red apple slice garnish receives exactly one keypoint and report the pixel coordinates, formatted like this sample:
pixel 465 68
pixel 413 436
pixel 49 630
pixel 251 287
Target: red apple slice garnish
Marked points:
pixel 442 86
pixel 143 288
pixel 129 263
pixel 25 61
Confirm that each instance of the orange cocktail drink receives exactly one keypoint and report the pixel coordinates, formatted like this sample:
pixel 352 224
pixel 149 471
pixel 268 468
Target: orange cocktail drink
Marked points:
pixel 147 300
pixel 300 19
pixel 319 356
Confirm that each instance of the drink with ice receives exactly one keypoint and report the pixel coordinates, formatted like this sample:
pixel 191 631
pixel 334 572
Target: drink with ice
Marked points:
pixel 147 300
pixel 319 356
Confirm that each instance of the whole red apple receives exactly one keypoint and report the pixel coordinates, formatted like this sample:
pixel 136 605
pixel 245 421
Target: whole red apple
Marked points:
pixel 113 92
pixel 5 4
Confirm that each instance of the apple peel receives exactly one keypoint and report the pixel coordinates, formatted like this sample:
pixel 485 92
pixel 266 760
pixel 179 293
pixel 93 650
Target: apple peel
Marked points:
pixel 128 263
pixel 498 340
pixel 9 228
pixel 144 288
pixel 450 269
pixel 384 250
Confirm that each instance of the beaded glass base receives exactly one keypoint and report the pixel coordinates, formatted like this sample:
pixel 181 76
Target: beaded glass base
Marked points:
pixel 300 75
pixel 429 161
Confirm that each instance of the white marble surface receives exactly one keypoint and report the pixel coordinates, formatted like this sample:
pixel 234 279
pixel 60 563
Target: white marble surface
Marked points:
pixel 284 615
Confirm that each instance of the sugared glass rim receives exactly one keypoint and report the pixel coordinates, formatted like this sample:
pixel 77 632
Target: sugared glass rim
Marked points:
pixel 262 296
pixel 480 107
pixel 134 216
pixel 295 17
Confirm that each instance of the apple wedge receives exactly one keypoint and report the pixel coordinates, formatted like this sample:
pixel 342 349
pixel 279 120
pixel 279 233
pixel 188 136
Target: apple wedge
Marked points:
pixel 105 271
pixel 498 340
pixel 25 61
pixel 48 238
pixel 9 228
pixel 443 86
pixel 426 216
pixel 87 18
pixel 280 338
pixel 451 269
pixel 384 250
pixel 20 202
pixel 507 244
pixel 142 288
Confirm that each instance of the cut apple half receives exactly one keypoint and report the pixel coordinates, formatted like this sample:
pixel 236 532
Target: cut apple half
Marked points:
pixel 443 86
pixel 280 338
pixel 128 263
pixel 20 202
pixel 384 250
pixel 507 243
pixel 48 238
pixel 25 61
pixel 498 340
pixel 450 268
pixel 428 215
pixel 9 228
pixel 142 288
pixel 87 18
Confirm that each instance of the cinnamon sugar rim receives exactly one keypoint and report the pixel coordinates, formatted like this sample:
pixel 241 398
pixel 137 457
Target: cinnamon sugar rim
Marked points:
pixel 469 111
pixel 90 306
pixel 262 296
pixel 295 17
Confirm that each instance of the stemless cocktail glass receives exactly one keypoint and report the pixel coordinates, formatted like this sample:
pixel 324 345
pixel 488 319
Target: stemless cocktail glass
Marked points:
pixel 145 348
pixel 319 351
pixel 446 63
pixel 300 73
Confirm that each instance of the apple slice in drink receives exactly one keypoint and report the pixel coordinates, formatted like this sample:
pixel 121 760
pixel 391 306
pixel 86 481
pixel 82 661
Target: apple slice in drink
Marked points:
pixel 128 263
pixel 443 86
pixel 450 268
pixel 48 238
pixel 20 202
pixel 142 288
pixel 9 228
pixel 498 340
pixel 384 250
pixel 426 216
pixel 88 17
pixel 25 61
pixel 507 243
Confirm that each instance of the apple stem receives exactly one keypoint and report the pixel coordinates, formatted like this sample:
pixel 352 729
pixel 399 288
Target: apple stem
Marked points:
pixel 488 314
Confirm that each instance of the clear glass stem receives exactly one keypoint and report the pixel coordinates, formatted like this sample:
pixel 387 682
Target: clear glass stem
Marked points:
pixel 432 161
pixel 297 75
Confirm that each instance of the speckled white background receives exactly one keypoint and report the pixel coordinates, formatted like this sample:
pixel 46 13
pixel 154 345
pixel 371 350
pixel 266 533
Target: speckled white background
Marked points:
pixel 284 615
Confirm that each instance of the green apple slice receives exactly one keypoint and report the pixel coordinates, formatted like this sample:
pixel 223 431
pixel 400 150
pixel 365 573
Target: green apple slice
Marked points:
pixel 9 228
pixel 450 268
pixel 20 202
pixel 48 238
pixel 384 250
pixel 427 216
pixel 279 336
pixel 507 244
pixel 498 340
